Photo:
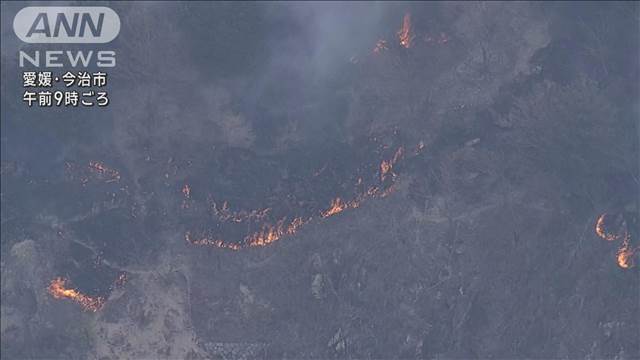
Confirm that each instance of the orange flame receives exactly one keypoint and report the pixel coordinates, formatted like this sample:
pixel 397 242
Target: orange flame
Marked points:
pixel 626 252
pixel 58 289
pixel 338 206
pixel 601 231
pixel 386 166
pixel 405 35
pixel 625 257
pixel 270 232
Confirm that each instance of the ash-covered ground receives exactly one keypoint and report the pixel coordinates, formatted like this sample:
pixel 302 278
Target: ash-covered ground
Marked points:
pixel 331 180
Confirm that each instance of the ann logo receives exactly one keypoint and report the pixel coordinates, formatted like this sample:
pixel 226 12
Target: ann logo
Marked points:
pixel 42 26
pixel 66 24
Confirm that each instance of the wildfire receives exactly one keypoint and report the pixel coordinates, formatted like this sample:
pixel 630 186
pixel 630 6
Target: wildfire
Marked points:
pixel 94 170
pixel 600 229
pixel 270 232
pixel 338 206
pixel 58 289
pixel 625 256
pixel 104 171
pixel 626 252
pixel 207 241
pixel 405 35
pixel 386 166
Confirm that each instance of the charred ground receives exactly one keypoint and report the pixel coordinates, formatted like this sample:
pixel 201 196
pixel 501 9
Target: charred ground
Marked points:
pixel 518 125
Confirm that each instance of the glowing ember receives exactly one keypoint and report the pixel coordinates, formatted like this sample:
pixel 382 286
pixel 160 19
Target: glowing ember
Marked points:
pixel 601 231
pixel 207 241
pixel 225 214
pixel 186 191
pixel 405 35
pixel 626 252
pixel 120 281
pixel 268 234
pixel 271 233
pixel 386 166
pixel 58 289
pixel 381 45
pixel 625 256
pixel 338 206
pixel 104 171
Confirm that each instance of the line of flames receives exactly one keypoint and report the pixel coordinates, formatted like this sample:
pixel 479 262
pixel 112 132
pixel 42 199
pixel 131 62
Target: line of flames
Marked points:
pixel 270 233
pixel 601 230
pixel 60 288
pixel 405 35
